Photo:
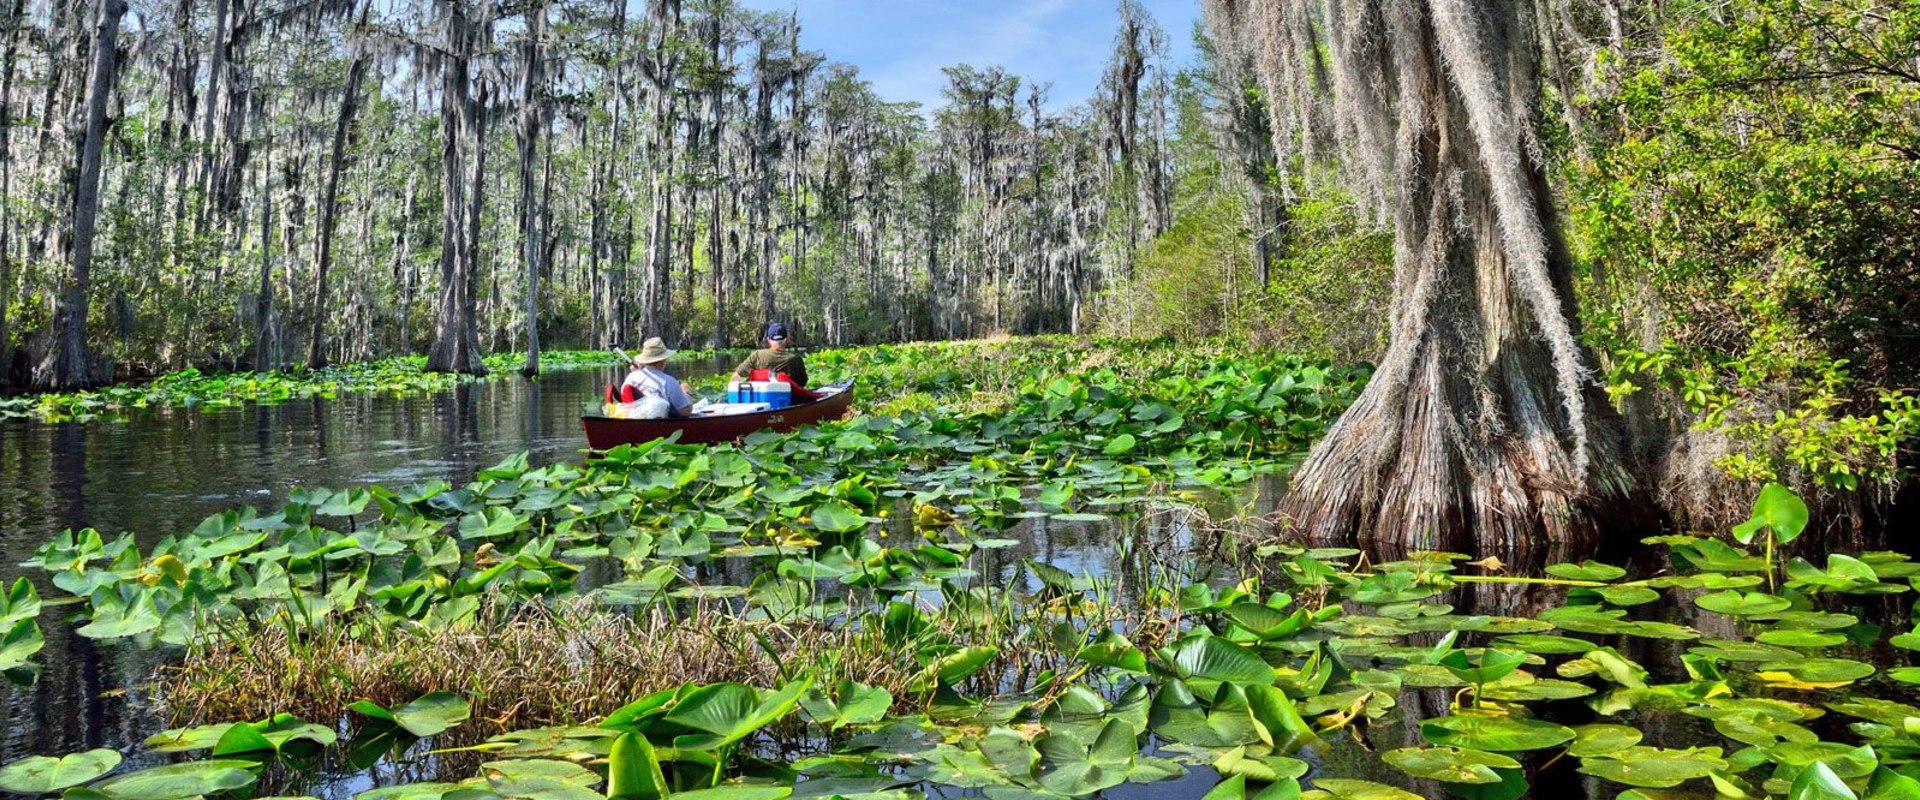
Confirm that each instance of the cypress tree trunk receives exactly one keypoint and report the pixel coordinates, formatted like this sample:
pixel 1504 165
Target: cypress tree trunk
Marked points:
pixel 15 14
pixel 1481 430
pixel 68 365
pixel 527 138
pixel 456 341
pixel 330 197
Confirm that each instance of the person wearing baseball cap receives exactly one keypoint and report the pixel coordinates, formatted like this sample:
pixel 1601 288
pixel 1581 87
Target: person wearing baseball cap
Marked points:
pixel 776 362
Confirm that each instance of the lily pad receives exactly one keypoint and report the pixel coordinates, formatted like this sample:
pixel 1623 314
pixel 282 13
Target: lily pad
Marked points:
pixel 1496 734
pixel 45 774
pixel 177 781
pixel 1813 673
pixel 1450 764
pixel 426 716
pixel 1654 768
pixel 1602 739
pixel 1743 604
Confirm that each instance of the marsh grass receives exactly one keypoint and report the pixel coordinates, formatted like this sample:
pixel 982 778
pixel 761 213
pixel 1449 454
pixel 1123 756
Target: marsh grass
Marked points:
pixel 575 662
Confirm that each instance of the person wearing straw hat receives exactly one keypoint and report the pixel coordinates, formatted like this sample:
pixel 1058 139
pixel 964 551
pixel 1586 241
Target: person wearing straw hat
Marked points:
pixel 659 394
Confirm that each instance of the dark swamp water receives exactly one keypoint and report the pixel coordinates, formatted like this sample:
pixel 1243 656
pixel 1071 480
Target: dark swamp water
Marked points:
pixel 159 472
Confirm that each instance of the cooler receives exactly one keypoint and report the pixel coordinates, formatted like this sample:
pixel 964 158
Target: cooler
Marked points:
pixel 776 394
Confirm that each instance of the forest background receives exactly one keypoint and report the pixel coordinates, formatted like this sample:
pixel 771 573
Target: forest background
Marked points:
pixel 251 184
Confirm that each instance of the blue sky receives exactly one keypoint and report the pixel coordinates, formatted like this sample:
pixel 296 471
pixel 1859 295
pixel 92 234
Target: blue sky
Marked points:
pixel 900 45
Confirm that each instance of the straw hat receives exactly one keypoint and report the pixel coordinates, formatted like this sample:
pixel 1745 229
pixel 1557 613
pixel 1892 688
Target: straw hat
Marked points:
pixel 653 351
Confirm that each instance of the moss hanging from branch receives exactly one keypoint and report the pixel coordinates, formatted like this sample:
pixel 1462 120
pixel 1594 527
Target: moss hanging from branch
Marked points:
pixel 1483 428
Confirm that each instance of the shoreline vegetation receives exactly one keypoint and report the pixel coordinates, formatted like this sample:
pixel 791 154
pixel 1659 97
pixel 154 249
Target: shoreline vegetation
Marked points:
pixel 191 388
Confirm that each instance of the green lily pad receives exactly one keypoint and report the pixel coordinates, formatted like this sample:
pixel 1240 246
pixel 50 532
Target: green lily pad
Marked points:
pixel 1449 764
pixel 1602 739
pixel 1801 638
pixel 1347 789
pixel 45 774
pixel 1546 644
pixel 1654 768
pixel 1496 734
pixel 1743 604
pixel 426 716
pixel 1813 673
pixel 1587 571
pixel 177 781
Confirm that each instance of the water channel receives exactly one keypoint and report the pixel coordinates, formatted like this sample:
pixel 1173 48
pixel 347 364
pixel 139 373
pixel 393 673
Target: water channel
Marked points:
pixel 160 472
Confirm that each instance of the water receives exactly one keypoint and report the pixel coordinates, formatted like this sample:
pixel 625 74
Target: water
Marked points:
pixel 162 472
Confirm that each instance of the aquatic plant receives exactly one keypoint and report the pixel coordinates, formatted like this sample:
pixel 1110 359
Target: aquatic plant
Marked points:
pixel 833 579
pixel 194 389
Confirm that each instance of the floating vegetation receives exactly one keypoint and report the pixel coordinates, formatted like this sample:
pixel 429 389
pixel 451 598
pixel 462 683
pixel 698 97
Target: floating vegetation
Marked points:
pixel 191 388
pixel 818 620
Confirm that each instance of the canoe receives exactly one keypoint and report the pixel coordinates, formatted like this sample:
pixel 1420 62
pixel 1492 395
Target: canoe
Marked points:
pixel 605 433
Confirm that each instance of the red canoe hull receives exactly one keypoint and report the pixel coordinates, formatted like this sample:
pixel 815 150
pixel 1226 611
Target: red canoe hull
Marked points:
pixel 606 433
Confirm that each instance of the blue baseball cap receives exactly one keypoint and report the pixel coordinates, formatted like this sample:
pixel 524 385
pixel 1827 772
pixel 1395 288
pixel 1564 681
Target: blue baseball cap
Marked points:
pixel 776 332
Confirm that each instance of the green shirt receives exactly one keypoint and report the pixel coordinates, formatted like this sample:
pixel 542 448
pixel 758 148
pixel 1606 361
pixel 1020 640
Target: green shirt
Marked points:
pixel 775 362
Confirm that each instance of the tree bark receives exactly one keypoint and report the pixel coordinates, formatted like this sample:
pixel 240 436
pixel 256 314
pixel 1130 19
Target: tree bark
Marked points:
pixel 264 351
pixel 456 340
pixel 16 15
pixel 330 195
pixel 1481 430
pixel 527 138
pixel 69 365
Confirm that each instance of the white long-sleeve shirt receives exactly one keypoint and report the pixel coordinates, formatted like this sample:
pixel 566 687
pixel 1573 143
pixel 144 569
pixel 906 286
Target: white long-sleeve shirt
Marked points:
pixel 651 382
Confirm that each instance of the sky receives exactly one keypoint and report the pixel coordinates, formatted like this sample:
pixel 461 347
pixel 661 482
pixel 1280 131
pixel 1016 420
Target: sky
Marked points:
pixel 900 45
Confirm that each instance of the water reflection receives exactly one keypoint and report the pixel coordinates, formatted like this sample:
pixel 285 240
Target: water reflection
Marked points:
pixel 162 472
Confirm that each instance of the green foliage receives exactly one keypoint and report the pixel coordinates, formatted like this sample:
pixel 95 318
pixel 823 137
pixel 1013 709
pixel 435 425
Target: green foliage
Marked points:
pixel 1240 685
pixel 193 389
pixel 1751 236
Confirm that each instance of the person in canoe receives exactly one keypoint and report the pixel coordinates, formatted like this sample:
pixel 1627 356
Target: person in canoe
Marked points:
pixel 776 362
pixel 649 392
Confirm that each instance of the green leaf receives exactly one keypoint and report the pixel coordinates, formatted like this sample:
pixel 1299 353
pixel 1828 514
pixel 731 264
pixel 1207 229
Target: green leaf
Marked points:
pixel 736 793
pixel 1602 739
pixel 1778 509
pixel 1889 785
pixel 1114 651
pixel 1206 658
pixel 541 779
pixel 958 665
pixel 633 771
pixel 1280 723
pixel 21 641
pixel 1743 604
pixel 179 781
pixel 1177 714
pixel 729 712
pixel 1653 768
pixel 836 516
pixel 1587 571
pixel 241 737
pixel 1497 734
pixel 1493 665
pixel 1266 622
pixel 1120 445
pixel 1813 673
pixel 426 716
pixel 1817 782
pixel 861 704
pixel 45 774
pixel 1449 764
pixel 1347 789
